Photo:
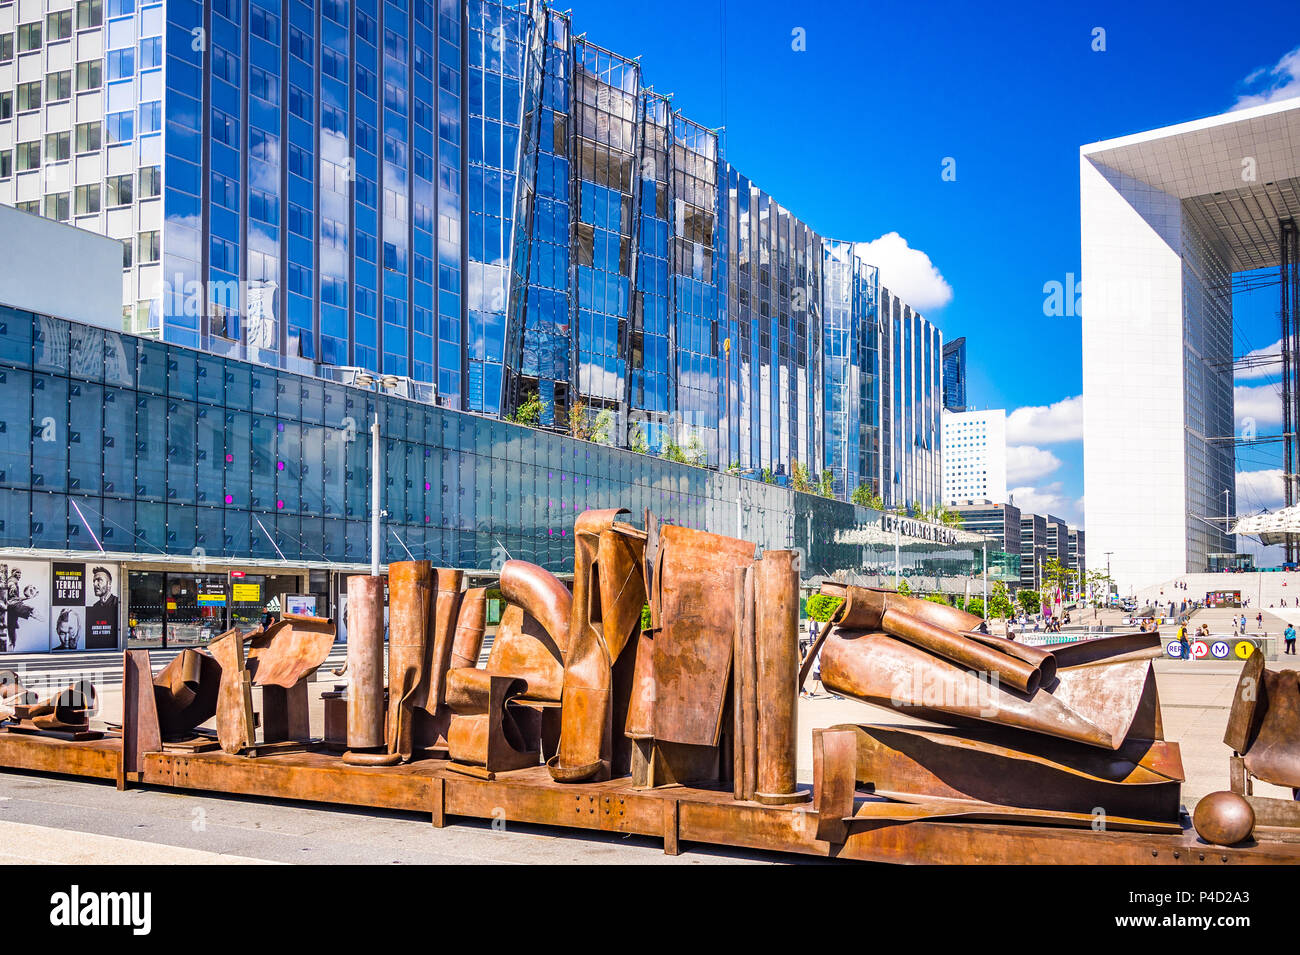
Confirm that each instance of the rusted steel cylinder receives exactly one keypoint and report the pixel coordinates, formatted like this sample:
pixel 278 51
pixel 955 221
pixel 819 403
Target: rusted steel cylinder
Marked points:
pixel 410 601
pixel 1034 656
pixel 776 654
pixel 470 625
pixel 962 650
pixel 365 662
pixel 863 608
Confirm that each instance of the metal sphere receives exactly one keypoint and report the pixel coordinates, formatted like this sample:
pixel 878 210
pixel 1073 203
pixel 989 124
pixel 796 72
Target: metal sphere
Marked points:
pixel 1224 818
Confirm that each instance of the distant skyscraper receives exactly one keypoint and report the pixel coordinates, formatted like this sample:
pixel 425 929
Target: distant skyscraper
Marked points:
pixel 954 374
pixel 974 456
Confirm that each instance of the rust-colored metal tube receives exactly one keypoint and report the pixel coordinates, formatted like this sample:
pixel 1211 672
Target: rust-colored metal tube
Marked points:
pixel 470 626
pixel 1034 656
pixel 410 599
pixel 963 650
pixel 365 701
pixel 863 608
pixel 542 596
pixel 776 656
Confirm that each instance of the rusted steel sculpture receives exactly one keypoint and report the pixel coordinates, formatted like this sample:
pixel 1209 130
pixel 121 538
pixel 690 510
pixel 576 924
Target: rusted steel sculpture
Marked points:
pixel 506 716
pixel 1101 692
pixel 281 660
pixel 1048 734
pixel 185 693
pixel 367 745
pixel 12 693
pixel 1264 733
pixel 64 714
pixel 693 607
pixel 410 646
pixel 605 618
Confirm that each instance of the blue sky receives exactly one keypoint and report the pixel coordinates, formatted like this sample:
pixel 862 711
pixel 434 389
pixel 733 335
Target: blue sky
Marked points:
pixel 851 134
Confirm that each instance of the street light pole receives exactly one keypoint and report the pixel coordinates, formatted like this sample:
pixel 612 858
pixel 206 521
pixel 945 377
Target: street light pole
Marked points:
pixel 374 497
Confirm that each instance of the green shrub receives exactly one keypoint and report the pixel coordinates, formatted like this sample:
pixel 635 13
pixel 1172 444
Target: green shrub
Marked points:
pixel 821 607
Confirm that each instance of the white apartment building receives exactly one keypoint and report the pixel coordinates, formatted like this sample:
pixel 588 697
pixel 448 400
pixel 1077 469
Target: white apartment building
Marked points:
pixel 974 456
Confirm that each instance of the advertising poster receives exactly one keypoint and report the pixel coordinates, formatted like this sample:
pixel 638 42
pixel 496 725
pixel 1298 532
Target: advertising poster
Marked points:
pixel 24 606
pixel 302 604
pixel 84 606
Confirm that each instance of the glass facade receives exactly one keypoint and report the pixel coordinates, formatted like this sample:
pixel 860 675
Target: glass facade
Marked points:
pixel 164 453
pixel 954 375
pixel 911 359
pixel 467 197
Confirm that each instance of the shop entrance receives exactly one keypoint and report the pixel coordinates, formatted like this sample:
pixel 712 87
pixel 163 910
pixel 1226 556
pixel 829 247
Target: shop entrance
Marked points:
pixel 188 609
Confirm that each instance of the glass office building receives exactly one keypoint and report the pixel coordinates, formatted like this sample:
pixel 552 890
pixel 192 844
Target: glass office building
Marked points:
pixel 471 200
pixel 954 375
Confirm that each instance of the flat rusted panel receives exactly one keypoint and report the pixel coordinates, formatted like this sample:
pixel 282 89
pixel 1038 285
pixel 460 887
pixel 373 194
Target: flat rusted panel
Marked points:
pixel 692 652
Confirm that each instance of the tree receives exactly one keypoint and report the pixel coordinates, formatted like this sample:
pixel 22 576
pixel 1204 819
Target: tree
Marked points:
pixel 937 598
pixel 799 479
pixel 673 452
pixel 1056 576
pixel 821 607
pixel 1030 601
pixel 1000 601
pixel 863 496
pixel 975 605
pixel 636 438
pixel 903 588
pixel 949 517
pixel 529 412
pixel 826 486
pixel 695 451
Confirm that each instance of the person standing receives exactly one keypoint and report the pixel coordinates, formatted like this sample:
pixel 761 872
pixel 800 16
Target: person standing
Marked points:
pixel 1243 624
pixel 1184 645
pixel 1289 633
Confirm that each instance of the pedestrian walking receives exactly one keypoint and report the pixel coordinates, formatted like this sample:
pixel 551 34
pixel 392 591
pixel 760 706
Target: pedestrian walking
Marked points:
pixel 1184 646
pixel 1289 633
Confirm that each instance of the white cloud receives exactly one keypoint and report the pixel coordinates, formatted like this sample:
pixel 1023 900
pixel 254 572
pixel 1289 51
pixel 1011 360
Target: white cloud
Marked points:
pixel 1256 407
pixel 1268 84
pixel 1049 499
pixel 1046 424
pixel 907 272
pixel 1258 490
pixel 1027 463
pixel 1262 369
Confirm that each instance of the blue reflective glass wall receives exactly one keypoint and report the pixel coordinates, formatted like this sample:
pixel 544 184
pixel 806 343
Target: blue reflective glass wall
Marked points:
pixel 160 450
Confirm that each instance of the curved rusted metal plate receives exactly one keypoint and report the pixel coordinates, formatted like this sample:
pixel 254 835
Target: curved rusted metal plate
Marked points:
pixel 1095 704
pixel 1273 754
pixel 290 649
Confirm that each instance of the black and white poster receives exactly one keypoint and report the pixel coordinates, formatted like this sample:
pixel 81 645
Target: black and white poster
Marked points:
pixel 63 605
pixel 103 609
pixel 24 606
